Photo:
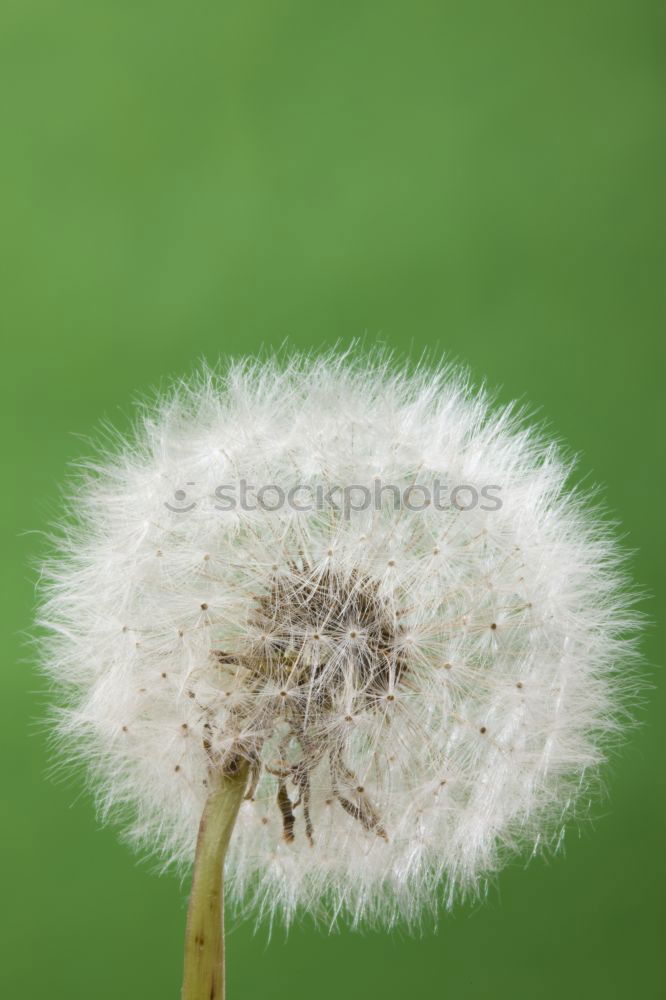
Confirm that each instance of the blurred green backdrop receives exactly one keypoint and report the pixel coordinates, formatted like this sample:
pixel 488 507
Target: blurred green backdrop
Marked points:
pixel 184 181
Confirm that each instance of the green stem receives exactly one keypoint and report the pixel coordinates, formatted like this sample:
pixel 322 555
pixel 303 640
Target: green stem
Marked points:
pixel 203 977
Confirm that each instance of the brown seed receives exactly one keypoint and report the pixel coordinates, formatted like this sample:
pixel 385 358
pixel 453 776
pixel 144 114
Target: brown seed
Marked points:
pixel 204 606
pixel 494 625
pixel 482 729
pixel 177 768
pixel 519 684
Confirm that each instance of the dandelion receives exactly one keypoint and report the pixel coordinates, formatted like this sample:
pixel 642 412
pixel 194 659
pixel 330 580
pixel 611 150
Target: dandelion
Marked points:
pixel 352 616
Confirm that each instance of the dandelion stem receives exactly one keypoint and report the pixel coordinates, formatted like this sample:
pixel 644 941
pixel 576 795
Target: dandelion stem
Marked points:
pixel 203 976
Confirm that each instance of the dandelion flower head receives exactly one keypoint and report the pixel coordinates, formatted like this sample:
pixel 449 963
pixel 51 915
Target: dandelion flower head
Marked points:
pixel 372 586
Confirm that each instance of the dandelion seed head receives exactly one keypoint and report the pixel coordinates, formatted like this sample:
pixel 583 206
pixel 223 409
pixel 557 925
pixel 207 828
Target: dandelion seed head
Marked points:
pixel 418 693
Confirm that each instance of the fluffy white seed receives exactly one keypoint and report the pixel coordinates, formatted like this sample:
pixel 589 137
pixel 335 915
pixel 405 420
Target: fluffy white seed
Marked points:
pixel 419 692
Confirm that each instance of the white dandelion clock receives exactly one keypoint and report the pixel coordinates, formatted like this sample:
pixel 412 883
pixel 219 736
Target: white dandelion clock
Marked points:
pixel 350 612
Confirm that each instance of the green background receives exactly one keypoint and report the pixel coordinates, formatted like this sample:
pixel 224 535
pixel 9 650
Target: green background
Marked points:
pixel 181 181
